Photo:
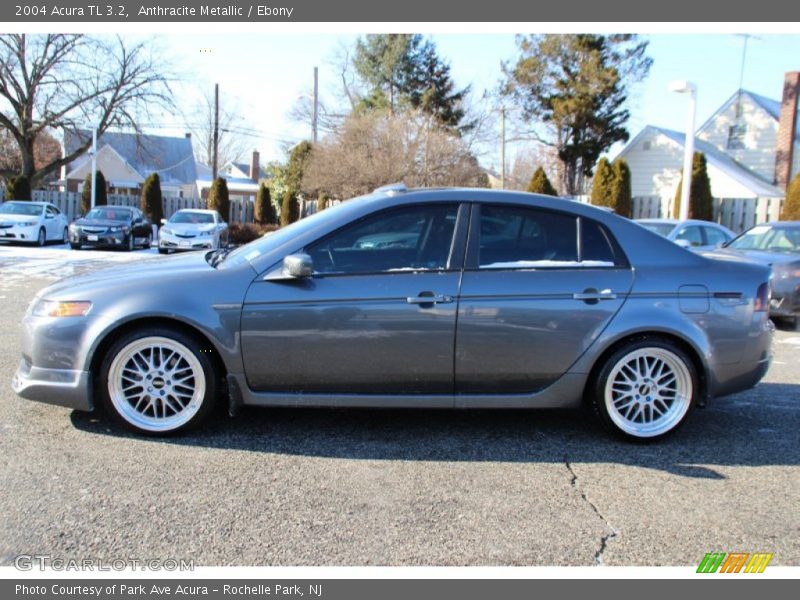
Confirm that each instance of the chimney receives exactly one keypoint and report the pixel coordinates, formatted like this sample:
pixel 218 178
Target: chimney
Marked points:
pixel 255 169
pixel 787 126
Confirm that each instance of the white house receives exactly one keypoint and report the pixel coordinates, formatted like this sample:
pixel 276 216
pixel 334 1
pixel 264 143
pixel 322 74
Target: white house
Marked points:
pixel 242 178
pixel 752 149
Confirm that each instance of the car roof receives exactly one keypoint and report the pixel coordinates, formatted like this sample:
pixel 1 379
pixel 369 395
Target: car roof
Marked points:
pixel 779 224
pixel 32 202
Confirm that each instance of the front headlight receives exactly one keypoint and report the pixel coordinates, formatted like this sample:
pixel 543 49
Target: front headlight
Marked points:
pixel 167 231
pixel 27 223
pixel 66 308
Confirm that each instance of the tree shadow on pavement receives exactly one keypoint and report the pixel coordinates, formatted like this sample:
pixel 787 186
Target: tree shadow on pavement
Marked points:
pixel 760 427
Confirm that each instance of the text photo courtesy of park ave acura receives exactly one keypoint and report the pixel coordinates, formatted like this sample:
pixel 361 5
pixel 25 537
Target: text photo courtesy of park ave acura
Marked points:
pixel 381 299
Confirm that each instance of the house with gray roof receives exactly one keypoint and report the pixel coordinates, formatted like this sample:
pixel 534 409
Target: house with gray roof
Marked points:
pixel 127 159
pixel 752 149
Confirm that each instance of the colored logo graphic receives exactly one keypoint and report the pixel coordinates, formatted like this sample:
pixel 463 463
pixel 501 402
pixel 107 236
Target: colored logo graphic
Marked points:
pixel 735 562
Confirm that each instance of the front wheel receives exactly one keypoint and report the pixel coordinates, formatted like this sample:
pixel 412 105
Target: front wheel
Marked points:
pixel 41 239
pixel 148 241
pixel 156 381
pixel 65 236
pixel 645 389
pixel 131 243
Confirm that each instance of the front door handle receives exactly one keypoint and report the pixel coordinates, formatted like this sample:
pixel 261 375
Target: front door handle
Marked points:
pixel 592 295
pixel 429 298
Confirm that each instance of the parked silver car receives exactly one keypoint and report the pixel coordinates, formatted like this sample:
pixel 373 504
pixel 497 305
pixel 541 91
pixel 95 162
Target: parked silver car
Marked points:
pixel 32 222
pixel 472 299
pixel 193 229
pixel 693 234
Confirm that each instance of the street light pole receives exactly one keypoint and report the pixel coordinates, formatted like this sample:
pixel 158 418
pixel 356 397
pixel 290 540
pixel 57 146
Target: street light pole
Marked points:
pixel 94 164
pixel 315 113
pixel 687 87
pixel 502 148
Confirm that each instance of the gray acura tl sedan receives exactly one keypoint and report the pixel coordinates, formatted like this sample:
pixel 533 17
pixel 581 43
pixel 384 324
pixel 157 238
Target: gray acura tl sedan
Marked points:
pixel 447 298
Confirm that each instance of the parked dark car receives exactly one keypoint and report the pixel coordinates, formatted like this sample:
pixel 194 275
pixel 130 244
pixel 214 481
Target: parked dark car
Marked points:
pixel 776 245
pixel 440 298
pixel 123 227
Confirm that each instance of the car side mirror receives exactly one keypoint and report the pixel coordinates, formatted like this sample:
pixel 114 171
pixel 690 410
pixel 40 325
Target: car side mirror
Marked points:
pixel 683 243
pixel 163 221
pixel 298 266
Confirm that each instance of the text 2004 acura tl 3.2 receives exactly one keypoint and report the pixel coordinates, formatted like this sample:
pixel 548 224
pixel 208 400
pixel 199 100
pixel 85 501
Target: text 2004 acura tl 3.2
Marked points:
pixel 449 298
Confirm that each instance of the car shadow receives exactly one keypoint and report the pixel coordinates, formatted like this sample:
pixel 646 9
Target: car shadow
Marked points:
pixel 756 428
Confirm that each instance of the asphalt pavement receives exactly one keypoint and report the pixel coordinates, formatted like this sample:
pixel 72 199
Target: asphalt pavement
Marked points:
pixel 397 487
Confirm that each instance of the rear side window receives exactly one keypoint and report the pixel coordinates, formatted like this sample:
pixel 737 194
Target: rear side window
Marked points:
pixel 715 237
pixel 596 248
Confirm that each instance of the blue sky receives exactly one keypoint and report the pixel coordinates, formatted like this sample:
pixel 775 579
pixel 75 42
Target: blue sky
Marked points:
pixel 262 75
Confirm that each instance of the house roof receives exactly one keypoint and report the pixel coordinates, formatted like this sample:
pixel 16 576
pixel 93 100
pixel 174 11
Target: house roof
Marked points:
pixel 772 108
pixel 717 158
pixel 245 184
pixel 171 157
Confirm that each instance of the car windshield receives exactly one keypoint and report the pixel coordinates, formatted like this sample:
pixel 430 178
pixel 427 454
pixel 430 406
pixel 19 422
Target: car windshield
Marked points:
pixel 21 208
pixel 663 229
pixel 109 213
pixel 192 217
pixel 769 239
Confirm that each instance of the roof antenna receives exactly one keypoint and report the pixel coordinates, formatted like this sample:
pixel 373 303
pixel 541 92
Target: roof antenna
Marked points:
pixel 746 37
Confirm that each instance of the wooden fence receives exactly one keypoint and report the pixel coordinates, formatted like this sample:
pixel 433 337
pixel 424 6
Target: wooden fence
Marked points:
pixel 69 203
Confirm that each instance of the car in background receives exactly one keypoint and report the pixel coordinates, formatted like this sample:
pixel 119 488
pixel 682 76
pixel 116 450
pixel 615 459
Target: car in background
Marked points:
pixel 32 222
pixel 436 298
pixel 124 227
pixel 776 245
pixel 693 234
pixel 193 229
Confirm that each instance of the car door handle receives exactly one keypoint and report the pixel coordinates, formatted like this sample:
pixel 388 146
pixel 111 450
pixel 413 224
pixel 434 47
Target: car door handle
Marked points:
pixel 592 294
pixel 429 298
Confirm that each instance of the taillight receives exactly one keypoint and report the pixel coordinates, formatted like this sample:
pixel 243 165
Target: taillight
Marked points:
pixel 761 302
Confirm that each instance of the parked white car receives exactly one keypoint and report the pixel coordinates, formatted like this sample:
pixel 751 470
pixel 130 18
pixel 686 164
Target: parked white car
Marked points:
pixel 193 229
pixel 693 234
pixel 32 222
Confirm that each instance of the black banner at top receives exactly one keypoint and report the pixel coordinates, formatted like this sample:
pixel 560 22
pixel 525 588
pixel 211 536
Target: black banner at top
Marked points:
pixel 305 11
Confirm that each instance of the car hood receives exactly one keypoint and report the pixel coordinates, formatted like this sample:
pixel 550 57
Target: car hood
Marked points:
pixel 152 273
pixel 19 218
pixel 756 256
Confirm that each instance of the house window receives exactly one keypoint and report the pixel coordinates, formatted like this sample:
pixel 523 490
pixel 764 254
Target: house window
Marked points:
pixel 736 135
pixel 647 145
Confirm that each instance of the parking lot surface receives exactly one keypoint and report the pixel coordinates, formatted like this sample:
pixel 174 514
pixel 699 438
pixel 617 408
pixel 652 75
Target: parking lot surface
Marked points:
pixel 392 487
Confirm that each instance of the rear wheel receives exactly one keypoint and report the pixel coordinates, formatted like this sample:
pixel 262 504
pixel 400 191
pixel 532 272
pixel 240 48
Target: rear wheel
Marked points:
pixel 645 389
pixel 156 381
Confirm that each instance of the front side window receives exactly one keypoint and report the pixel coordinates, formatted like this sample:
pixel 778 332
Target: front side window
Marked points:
pixel 411 238
pixel 691 234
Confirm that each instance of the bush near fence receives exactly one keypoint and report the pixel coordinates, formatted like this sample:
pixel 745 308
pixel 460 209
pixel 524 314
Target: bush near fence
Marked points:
pixel 69 203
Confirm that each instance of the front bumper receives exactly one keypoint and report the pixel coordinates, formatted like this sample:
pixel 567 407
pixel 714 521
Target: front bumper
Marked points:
pixel 19 234
pixel 62 387
pixel 785 301
pixel 107 239
pixel 167 241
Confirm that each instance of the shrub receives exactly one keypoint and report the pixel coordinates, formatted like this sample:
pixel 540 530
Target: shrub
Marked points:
pixel 602 184
pixel 218 198
pixel 540 184
pixel 244 233
pixel 18 188
pixel 621 188
pixel 264 211
pixel 701 202
pixel 151 201
pixel 791 206
pixel 290 209
pixel 100 192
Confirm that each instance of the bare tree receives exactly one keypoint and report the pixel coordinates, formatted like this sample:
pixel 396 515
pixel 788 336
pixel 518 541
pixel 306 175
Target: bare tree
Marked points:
pixel 373 149
pixel 231 145
pixel 70 81
pixel 46 149
pixel 529 158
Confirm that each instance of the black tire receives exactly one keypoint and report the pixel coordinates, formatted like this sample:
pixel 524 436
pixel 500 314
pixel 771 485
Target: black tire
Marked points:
pixel 41 239
pixel 212 382
pixel 75 246
pixel 130 245
pixel 163 251
pixel 65 236
pixel 602 404
pixel 148 241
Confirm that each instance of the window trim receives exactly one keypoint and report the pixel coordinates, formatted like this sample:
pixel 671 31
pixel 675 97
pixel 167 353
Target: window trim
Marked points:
pixel 455 255
pixel 472 262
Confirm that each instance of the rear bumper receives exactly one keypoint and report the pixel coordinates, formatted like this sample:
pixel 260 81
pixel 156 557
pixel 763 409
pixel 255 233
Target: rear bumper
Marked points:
pixel 745 374
pixel 62 387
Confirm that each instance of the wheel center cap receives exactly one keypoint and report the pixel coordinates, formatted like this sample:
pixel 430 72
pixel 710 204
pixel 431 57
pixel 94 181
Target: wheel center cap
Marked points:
pixel 644 389
pixel 158 383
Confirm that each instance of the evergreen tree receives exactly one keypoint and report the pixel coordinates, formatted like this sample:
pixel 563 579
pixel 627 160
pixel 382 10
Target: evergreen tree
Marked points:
pixel 100 192
pixel 218 198
pixel 18 188
pixel 433 90
pixel 603 184
pixel 540 184
pixel 295 168
pixel 290 209
pixel 621 188
pixel 791 205
pixel 264 211
pixel 322 201
pixel 151 201
pixel 701 202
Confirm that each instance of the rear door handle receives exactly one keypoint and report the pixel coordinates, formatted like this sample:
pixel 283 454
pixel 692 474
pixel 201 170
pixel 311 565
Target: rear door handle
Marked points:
pixel 429 298
pixel 592 294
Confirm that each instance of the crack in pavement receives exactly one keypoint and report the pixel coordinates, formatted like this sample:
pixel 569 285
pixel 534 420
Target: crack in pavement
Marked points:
pixel 612 533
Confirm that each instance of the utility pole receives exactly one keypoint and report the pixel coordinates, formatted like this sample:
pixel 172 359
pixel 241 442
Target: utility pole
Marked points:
pixel 315 113
pixel 94 163
pixel 502 148
pixel 214 165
